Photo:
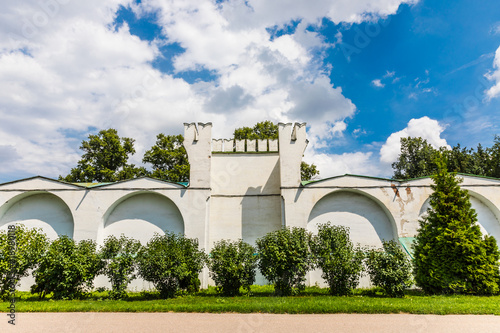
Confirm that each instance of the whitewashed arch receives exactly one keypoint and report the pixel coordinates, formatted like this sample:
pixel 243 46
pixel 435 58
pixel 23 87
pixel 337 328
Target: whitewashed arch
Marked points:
pixel 369 221
pixel 39 210
pixel 140 215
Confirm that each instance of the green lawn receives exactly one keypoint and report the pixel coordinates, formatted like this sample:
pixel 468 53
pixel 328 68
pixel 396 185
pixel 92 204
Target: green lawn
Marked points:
pixel 313 300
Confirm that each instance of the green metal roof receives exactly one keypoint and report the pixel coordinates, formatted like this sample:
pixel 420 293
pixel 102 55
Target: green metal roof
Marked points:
pixel 91 184
pixel 307 182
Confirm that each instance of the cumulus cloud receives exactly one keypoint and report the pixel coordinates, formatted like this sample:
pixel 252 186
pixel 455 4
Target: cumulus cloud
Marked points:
pixel 67 70
pixel 424 127
pixel 494 76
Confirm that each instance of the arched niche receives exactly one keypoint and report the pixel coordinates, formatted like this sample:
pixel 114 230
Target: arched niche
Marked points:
pixel 140 215
pixel 488 215
pixel 368 220
pixel 38 210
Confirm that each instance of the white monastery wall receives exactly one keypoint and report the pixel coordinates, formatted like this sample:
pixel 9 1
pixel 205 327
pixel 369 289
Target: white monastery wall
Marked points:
pixel 245 198
pixel 238 189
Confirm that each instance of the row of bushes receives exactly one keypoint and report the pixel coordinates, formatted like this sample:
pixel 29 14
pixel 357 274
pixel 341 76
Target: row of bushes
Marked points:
pixel 173 262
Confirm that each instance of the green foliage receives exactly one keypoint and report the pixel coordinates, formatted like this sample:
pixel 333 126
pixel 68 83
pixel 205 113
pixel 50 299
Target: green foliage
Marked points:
pixel 450 253
pixel 19 253
pixel 119 255
pixel 105 159
pixel 168 158
pixel 262 130
pixel 335 254
pixel 494 158
pixel 232 265
pixel 308 172
pixel 171 262
pixel 417 159
pixel 67 268
pixel 390 269
pixel 285 258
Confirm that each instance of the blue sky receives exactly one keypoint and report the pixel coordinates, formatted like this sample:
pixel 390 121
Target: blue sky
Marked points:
pixel 361 73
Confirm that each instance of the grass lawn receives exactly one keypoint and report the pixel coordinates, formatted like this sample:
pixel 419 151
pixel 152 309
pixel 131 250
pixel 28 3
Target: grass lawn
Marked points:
pixel 312 300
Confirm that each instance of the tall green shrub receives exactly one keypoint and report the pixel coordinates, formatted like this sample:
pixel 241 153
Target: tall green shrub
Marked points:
pixel 390 269
pixel 334 253
pixel 67 269
pixel 232 265
pixel 20 250
pixel 450 253
pixel 285 258
pixel 120 262
pixel 171 262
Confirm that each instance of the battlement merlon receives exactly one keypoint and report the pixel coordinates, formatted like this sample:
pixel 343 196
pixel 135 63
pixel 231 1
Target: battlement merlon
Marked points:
pixel 292 144
pixel 198 144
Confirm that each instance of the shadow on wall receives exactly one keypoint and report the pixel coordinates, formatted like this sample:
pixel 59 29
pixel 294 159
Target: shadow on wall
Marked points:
pixel 41 210
pixel 141 215
pixel 261 209
pixel 368 223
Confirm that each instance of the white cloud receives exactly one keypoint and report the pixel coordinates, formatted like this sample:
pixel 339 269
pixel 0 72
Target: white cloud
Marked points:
pixel 266 13
pixel 330 165
pixel 377 83
pixel 426 128
pixel 494 76
pixel 65 69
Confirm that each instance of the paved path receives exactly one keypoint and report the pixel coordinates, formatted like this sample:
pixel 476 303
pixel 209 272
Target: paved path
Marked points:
pixel 89 322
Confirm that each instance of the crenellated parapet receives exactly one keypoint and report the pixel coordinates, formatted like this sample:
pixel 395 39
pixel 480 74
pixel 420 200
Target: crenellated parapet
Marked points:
pixel 244 146
pixel 291 144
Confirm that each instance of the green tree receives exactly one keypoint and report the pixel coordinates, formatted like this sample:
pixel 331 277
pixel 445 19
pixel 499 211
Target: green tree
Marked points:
pixel 245 133
pixel 459 159
pixel 232 265
pixel 450 253
pixel 67 269
pixel 494 158
pixel 170 262
pixel 340 262
pixel 285 258
pixel 168 158
pixel 20 250
pixel 390 269
pixel 269 130
pixel 262 130
pixel 105 159
pixel 308 171
pixel 119 255
pixel 480 162
pixel 417 159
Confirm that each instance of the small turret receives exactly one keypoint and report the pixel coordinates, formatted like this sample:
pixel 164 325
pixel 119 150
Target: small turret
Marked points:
pixel 197 141
pixel 292 144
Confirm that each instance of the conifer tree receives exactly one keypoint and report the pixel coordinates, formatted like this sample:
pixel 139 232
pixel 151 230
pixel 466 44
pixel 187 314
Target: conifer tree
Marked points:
pixel 450 253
